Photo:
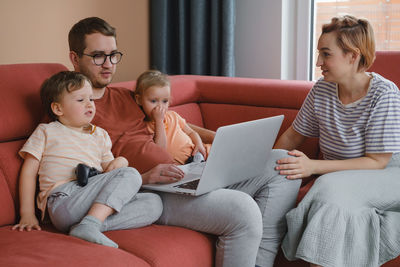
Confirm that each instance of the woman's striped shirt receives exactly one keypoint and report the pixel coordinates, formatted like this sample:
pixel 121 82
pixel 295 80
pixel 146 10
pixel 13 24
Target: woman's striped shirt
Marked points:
pixel 369 125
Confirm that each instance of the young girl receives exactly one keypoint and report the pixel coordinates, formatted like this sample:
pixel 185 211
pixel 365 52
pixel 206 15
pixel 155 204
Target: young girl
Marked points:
pixel 170 130
pixel 110 200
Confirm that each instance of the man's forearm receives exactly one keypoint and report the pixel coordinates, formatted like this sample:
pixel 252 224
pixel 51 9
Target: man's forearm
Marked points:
pixel 207 136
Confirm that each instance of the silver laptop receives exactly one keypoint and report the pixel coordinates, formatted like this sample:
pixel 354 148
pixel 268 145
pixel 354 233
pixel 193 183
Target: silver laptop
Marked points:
pixel 239 152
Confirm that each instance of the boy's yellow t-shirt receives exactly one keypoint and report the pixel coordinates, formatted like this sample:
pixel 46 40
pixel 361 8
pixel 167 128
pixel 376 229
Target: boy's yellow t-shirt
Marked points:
pixel 59 150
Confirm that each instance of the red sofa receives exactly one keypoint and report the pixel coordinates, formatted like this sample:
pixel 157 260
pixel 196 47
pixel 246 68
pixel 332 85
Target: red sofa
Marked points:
pixel 206 101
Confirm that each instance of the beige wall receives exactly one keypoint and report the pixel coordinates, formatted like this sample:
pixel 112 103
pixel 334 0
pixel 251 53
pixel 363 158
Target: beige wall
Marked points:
pixel 37 30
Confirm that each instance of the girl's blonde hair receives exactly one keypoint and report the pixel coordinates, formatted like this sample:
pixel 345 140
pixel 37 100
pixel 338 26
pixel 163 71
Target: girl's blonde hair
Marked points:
pixel 150 78
pixel 354 35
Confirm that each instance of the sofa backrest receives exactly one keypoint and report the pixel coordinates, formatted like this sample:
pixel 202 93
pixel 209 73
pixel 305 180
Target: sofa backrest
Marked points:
pixel 387 65
pixel 20 113
pixel 225 100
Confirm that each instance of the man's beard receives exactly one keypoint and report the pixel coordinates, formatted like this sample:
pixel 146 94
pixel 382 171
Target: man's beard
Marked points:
pixel 93 79
pixel 97 84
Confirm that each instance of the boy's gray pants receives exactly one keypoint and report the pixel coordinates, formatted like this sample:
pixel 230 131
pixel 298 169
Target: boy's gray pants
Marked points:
pixel 118 189
pixel 248 217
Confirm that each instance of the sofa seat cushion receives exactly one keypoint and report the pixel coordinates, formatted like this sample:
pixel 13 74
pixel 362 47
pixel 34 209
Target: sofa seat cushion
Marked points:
pixel 167 246
pixel 44 248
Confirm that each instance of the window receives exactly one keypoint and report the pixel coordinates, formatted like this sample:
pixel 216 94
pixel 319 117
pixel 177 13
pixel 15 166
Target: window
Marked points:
pixel 384 16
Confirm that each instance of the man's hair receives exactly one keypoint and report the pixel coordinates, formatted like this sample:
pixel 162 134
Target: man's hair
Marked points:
pixel 78 32
pixel 53 88
pixel 354 35
pixel 150 78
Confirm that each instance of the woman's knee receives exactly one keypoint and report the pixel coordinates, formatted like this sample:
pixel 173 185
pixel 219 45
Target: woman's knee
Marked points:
pixel 335 188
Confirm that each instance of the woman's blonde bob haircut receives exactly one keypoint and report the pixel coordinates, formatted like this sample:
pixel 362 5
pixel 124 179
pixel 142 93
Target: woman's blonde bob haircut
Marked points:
pixel 354 36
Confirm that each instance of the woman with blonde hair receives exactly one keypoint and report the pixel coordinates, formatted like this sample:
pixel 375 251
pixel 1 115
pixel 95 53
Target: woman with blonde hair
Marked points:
pixel 351 215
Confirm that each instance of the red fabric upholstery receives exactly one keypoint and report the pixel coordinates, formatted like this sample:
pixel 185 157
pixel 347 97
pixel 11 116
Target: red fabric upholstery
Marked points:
pixel 10 164
pixel 7 209
pixel 19 98
pixel 43 248
pixel 167 246
pixel 387 65
pixel 191 112
pixel 254 92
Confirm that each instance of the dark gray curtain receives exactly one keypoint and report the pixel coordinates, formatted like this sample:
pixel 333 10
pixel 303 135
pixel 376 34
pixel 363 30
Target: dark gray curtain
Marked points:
pixel 192 36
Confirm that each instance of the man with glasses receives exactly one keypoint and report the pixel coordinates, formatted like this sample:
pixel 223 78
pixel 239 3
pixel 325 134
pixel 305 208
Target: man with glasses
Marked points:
pixel 100 58
pixel 241 215
pixel 93 52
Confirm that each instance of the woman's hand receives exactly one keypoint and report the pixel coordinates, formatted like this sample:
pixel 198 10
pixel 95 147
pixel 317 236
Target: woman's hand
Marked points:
pixel 116 163
pixel 27 222
pixel 298 166
pixel 163 174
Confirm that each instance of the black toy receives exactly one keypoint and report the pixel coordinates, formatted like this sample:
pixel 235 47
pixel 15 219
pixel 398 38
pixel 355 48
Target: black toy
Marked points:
pixel 198 157
pixel 83 172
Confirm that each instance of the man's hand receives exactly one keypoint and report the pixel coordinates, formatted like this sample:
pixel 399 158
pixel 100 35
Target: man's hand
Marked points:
pixel 27 222
pixel 298 166
pixel 116 163
pixel 207 136
pixel 163 174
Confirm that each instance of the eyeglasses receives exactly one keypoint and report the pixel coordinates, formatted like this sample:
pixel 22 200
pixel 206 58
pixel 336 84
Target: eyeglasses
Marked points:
pixel 100 59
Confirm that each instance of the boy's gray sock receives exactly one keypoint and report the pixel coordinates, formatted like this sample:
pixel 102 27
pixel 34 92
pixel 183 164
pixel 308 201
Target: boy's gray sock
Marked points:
pixel 89 229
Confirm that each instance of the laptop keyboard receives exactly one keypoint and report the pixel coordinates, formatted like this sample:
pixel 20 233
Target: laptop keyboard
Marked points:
pixel 189 185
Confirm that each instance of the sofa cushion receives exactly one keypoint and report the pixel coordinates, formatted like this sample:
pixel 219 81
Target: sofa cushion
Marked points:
pixel 10 164
pixel 7 208
pixel 253 92
pixel 20 105
pixel 43 248
pixel 167 246
pixel 183 90
pixel 386 64
pixel 191 112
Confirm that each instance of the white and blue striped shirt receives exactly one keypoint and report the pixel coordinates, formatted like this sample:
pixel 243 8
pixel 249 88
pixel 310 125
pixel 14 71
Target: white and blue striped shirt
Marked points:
pixel 369 125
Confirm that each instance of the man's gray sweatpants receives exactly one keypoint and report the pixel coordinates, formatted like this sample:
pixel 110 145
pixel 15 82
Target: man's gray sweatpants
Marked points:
pixel 248 217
